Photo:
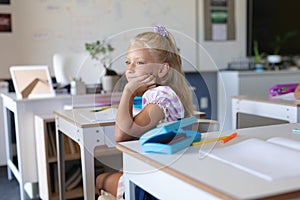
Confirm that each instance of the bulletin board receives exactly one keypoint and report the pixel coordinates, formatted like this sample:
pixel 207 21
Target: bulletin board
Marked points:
pixel 219 20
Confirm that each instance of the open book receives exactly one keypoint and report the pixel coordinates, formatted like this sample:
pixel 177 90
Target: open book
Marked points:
pixel 275 158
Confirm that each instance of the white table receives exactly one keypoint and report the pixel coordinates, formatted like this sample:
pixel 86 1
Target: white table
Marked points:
pixel 21 123
pixel 252 83
pixel 276 108
pixel 185 175
pixel 89 135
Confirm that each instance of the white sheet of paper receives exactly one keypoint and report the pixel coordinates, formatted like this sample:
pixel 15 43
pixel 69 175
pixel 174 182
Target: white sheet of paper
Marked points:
pixel 261 158
pixel 288 96
pixel 219 32
pixel 108 115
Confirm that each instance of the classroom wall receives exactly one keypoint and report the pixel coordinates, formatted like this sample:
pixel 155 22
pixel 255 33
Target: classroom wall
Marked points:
pixel 44 27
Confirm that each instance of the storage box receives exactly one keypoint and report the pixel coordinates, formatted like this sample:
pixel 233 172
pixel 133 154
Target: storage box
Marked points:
pixel 170 138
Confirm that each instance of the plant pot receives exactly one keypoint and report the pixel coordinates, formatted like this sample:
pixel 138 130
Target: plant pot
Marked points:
pixel 109 82
pixel 259 67
pixel 274 59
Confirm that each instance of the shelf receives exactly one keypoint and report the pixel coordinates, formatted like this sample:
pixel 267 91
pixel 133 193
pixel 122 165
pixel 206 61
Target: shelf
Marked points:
pixel 47 165
pixel 71 194
pixel 68 157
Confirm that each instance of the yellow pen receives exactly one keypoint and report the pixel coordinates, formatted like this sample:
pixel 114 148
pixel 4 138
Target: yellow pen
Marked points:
pixel 208 140
pixel 103 108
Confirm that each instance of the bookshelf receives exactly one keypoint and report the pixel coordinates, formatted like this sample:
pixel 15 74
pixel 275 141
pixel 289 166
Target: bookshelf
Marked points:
pixel 47 161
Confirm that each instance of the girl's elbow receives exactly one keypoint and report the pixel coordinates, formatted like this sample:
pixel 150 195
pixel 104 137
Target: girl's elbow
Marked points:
pixel 118 138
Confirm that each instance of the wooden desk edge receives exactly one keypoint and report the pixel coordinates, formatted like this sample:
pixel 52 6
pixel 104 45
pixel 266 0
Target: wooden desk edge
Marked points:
pixel 174 173
pixel 265 100
pixel 85 125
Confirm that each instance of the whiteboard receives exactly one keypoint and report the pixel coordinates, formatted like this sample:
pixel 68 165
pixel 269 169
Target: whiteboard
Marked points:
pixel 46 27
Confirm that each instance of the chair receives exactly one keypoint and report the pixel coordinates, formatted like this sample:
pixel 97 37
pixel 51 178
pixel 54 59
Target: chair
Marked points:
pixel 206 125
pixel 76 65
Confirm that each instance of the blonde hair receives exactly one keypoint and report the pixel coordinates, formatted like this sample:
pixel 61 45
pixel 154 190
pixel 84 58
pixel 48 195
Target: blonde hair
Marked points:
pixel 164 50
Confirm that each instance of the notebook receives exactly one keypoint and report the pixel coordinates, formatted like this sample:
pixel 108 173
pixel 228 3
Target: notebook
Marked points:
pixel 275 158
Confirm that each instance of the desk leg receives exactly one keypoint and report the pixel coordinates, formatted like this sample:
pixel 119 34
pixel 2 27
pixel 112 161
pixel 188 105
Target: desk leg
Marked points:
pixel 129 187
pixel 12 168
pixel 234 112
pixel 60 163
pixel 88 177
pixel 7 124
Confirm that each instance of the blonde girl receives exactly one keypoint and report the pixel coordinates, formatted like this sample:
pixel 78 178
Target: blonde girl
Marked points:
pixel 153 71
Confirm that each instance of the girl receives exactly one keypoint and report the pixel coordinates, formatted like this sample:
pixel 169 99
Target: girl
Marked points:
pixel 153 71
pixel 297 92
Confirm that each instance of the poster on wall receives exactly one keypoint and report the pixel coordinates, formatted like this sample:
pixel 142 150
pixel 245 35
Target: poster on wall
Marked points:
pixel 219 20
pixel 4 1
pixel 218 3
pixel 5 22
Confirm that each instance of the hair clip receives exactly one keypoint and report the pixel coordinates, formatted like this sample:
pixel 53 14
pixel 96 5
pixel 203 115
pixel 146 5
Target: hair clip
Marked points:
pixel 160 30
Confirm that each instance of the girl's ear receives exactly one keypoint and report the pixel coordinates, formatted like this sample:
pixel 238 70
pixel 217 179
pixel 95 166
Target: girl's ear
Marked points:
pixel 163 70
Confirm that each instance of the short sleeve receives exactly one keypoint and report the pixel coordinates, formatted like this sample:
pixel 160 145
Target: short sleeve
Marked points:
pixel 167 99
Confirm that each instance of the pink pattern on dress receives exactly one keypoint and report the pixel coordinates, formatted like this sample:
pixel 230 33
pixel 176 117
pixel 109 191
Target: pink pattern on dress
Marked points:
pixel 166 98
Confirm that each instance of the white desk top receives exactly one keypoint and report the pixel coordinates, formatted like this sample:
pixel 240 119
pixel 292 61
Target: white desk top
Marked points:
pixel 86 117
pixel 283 100
pixel 75 99
pixel 218 178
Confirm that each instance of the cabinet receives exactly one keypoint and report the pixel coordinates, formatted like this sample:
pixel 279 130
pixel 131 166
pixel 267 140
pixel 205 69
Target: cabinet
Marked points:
pixel 250 83
pixel 47 160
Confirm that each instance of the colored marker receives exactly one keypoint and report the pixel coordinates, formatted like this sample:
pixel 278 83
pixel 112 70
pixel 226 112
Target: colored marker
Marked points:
pixel 177 138
pixel 209 140
pixel 230 137
pixel 296 130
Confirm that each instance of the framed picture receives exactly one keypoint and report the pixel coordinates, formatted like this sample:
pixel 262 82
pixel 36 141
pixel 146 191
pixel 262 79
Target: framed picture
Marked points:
pixel 5 22
pixel 4 1
pixel 32 81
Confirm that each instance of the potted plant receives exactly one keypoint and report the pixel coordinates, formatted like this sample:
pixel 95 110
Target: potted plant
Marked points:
pixel 258 58
pixel 277 44
pixel 101 52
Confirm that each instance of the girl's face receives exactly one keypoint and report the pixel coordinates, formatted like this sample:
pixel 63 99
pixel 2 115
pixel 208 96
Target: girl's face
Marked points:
pixel 140 62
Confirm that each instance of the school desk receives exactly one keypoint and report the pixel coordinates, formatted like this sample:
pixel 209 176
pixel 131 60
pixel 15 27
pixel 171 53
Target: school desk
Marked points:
pixel 84 127
pixel 187 175
pixel 285 109
pixel 19 129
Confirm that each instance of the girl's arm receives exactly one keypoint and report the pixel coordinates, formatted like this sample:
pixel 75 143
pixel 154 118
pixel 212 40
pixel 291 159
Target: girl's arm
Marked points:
pixel 297 92
pixel 128 127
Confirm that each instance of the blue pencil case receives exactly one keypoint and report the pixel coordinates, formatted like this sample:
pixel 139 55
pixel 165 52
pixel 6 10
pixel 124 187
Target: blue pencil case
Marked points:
pixel 170 138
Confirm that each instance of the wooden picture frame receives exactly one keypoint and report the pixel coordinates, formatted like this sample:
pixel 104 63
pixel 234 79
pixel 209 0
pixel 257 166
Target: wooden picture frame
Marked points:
pixel 5 23
pixel 32 81
pixel 4 1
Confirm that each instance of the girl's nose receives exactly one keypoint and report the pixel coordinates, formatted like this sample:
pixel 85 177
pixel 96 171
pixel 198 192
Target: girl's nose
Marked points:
pixel 131 68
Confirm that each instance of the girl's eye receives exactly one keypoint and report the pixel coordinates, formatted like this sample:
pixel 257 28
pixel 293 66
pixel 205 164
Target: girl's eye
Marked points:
pixel 140 63
pixel 127 62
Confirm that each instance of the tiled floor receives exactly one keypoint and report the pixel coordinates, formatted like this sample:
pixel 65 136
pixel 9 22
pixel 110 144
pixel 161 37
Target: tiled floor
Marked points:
pixel 9 190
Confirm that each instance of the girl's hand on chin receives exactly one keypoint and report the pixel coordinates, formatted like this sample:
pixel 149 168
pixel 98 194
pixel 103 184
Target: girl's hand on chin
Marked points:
pixel 138 85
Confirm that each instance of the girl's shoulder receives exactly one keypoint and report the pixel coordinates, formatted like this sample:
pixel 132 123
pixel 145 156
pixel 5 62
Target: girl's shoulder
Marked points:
pixel 166 98
pixel 160 90
pixel 159 94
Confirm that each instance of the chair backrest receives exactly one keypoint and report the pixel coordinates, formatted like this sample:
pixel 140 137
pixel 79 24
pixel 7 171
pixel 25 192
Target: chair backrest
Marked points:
pixel 76 65
pixel 206 125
